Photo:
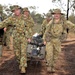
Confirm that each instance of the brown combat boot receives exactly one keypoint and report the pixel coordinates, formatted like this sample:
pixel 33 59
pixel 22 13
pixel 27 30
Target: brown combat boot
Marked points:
pixel 23 70
pixel 50 70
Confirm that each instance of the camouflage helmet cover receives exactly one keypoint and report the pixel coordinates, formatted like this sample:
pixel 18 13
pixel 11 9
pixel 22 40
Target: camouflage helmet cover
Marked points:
pixel 57 11
pixel 26 9
pixel 48 15
pixel 14 7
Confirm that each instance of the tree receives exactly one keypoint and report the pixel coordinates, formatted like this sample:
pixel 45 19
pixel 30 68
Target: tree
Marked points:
pixel 70 5
pixel 72 18
pixel 38 18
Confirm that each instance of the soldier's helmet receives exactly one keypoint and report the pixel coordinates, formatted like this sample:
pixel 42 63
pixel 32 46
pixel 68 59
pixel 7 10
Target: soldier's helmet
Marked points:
pixel 14 7
pixel 26 10
pixel 57 11
pixel 48 15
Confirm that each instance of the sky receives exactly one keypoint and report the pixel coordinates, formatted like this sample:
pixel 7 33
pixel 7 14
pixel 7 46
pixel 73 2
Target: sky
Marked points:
pixel 43 5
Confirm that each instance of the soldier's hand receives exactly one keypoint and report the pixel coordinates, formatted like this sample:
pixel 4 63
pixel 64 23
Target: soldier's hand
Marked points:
pixel 44 42
pixel 29 40
pixel 5 29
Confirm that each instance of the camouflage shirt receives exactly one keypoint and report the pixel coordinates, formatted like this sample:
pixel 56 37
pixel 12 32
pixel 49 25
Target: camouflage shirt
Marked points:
pixel 55 30
pixel 17 23
pixel 29 24
pixel 43 26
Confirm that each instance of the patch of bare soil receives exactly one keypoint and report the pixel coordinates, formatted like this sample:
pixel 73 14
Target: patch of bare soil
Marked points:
pixel 65 64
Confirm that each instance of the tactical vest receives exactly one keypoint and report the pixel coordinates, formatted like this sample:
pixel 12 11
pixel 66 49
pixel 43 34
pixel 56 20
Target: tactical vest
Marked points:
pixel 57 31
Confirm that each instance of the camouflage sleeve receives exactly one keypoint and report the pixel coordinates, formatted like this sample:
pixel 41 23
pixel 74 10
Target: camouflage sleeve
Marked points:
pixel 47 34
pixel 31 21
pixel 43 28
pixel 28 33
pixel 5 23
pixel 31 26
pixel 70 26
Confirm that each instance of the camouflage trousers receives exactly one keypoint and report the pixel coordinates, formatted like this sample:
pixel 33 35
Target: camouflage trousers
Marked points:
pixel 53 48
pixel 4 39
pixel 8 39
pixel 20 45
pixel 8 34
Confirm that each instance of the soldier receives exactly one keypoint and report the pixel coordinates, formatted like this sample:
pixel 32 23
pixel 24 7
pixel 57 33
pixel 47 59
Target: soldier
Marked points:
pixel 1 30
pixel 28 20
pixel 52 37
pixel 8 34
pixel 45 22
pixel 2 17
pixel 20 37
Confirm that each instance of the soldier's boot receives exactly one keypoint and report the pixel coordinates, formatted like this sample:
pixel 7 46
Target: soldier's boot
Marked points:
pixel 50 70
pixel 23 70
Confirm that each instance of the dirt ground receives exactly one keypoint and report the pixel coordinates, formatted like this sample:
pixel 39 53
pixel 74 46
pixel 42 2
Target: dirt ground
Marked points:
pixel 65 64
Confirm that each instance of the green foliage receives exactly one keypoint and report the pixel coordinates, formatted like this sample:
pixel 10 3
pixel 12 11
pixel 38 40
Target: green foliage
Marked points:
pixel 38 18
pixel 55 0
pixel 37 28
pixel 32 7
pixel 72 18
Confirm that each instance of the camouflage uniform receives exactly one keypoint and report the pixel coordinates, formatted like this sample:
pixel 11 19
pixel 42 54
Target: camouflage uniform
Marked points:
pixel 8 34
pixel 19 36
pixel 2 17
pixel 53 36
pixel 28 21
pixel 45 22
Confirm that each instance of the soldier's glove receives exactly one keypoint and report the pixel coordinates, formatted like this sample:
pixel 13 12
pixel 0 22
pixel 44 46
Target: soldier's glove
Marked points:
pixel 5 29
pixel 44 42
